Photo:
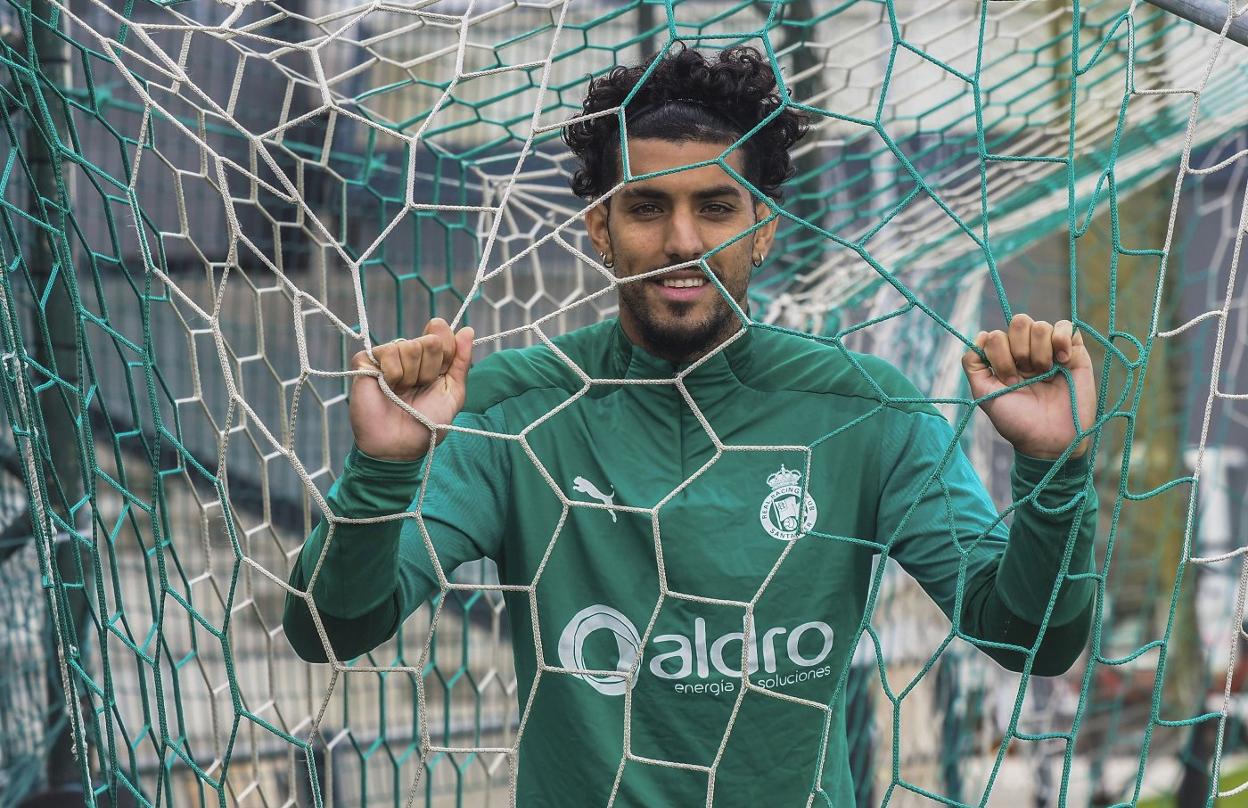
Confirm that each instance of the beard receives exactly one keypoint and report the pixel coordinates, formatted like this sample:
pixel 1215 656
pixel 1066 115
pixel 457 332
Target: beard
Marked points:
pixel 669 330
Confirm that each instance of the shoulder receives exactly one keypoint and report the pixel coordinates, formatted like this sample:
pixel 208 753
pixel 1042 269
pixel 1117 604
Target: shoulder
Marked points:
pixel 515 372
pixel 784 360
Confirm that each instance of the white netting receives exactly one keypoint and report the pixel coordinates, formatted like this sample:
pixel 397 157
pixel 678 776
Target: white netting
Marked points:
pixel 262 190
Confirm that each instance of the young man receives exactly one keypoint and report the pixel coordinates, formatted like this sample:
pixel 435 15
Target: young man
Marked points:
pixel 662 536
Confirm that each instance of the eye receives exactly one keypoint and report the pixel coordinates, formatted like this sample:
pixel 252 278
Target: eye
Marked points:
pixel 718 209
pixel 645 209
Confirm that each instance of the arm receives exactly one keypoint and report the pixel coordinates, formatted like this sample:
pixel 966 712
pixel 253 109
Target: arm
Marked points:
pixel 355 619
pixel 361 586
pixel 938 521
pixel 375 574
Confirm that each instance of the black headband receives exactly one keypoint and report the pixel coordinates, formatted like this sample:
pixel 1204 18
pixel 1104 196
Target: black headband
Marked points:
pixel 655 106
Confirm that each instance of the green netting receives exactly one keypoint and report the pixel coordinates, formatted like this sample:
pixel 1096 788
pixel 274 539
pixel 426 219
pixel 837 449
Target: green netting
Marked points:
pixel 208 207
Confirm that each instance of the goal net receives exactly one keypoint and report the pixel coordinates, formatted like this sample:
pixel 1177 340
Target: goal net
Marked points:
pixel 209 207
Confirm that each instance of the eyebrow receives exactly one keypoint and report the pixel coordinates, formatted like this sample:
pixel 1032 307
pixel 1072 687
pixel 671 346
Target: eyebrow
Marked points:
pixel 713 192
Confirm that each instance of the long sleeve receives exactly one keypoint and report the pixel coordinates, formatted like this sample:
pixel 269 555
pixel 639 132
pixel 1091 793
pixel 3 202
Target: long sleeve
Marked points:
pixel 373 575
pixel 995 584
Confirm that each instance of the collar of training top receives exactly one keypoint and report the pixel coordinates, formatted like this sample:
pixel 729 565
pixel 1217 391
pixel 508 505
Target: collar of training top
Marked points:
pixel 727 362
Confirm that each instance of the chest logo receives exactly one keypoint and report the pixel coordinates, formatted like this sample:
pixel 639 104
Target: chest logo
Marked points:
pixel 627 647
pixel 785 507
pixel 584 486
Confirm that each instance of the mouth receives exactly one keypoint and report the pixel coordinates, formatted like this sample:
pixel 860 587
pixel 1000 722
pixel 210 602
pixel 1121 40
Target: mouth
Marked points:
pixel 682 286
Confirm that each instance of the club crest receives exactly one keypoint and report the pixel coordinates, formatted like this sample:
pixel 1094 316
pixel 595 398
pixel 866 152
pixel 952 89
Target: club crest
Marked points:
pixel 786 506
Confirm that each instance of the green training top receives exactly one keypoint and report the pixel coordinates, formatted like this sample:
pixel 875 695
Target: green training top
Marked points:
pixel 749 524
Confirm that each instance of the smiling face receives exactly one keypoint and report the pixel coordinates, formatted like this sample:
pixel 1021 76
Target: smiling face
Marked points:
pixel 673 219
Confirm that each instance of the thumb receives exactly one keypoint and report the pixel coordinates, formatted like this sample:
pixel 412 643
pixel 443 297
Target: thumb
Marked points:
pixel 458 371
pixel 978 372
pixel 1079 356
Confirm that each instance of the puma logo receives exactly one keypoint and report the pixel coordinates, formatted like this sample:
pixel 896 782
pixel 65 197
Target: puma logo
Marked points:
pixel 584 486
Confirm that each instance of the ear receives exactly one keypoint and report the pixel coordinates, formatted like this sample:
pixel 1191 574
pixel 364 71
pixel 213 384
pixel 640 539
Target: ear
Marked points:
pixel 596 224
pixel 765 235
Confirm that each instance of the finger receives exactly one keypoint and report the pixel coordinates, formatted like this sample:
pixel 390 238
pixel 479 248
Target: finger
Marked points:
pixel 400 384
pixel 439 328
pixel 387 357
pixel 430 359
pixel 1000 357
pixel 362 361
pixel 1063 334
pixel 978 372
pixel 1020 342
pixel 411 351
pixel 1079 356
pixel 972 362
pixel 1041 346
pixel 458 371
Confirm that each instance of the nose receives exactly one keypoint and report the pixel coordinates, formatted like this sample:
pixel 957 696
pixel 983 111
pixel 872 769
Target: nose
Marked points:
pixel 683 240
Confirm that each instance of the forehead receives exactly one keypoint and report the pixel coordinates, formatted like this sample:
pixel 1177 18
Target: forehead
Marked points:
pixel 650 155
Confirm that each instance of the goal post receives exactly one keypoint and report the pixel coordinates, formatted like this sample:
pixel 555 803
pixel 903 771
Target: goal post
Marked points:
pixel 1210 14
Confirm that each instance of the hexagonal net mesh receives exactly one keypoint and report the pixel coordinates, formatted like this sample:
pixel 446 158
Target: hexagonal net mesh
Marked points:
pixel 209 207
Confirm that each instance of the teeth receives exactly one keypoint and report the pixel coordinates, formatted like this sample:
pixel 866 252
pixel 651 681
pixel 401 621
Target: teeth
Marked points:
pixel 683 283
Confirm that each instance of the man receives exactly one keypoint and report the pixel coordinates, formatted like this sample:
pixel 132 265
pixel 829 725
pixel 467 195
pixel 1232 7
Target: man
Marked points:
pixel 674 533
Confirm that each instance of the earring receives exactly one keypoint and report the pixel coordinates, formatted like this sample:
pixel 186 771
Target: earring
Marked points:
pixel 757 260
pixel 605 262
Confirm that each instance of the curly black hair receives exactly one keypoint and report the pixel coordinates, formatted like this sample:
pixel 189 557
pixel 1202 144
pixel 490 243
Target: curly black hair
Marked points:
pixel 688 97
